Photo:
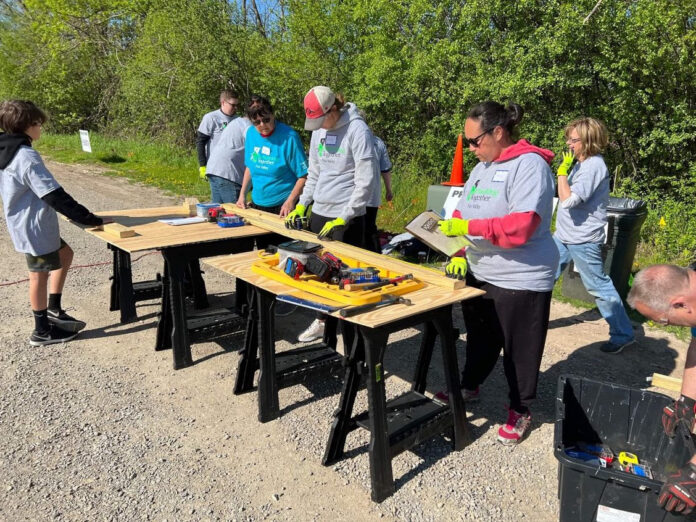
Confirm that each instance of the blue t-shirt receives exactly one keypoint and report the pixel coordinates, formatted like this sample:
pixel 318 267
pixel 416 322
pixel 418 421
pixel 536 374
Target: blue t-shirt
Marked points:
pixel 275 164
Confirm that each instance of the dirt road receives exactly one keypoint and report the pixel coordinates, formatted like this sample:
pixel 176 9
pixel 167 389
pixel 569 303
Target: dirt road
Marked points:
pixel 103 428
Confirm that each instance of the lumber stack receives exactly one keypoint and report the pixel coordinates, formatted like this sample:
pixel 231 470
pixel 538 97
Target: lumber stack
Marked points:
pixel 273 223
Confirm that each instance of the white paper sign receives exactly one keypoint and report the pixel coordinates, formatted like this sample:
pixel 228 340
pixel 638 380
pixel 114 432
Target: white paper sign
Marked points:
pixel 455 194
pixel 607 514
pixel 84 138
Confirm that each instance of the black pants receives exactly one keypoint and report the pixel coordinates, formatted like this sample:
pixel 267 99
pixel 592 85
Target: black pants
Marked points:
pixel 353 233
pixel 371 232
pixel 517 322
pixel 262 242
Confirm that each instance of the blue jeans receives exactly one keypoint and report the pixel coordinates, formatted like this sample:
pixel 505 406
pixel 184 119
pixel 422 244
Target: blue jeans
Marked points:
pixel 223 190
pixel 587 258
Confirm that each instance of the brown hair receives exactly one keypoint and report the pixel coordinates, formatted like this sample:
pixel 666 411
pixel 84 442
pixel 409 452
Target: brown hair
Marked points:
pixel 258 107
pixel 339 101
pixel 228 94
pixel 16 116
pixel 593 135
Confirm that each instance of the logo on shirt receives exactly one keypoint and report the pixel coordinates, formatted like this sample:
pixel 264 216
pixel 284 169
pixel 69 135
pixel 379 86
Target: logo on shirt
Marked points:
pixel 481 194
pixel 327 148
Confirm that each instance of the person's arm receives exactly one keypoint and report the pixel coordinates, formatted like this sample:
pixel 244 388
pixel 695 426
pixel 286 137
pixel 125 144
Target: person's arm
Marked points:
pixel 307 195
pixel 241 202
pixel 64 203
pixel 386 176
pixel 366 169
pixel 201 143
pixel 292 198
pixel 563 188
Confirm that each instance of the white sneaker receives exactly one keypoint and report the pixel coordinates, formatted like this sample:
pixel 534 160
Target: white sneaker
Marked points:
pixel 314 332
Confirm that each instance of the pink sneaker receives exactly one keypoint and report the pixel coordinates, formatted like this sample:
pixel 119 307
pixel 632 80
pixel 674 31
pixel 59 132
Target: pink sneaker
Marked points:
pixel 467 395
pixel 516 427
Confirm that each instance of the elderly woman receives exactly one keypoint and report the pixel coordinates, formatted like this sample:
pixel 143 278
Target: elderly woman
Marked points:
pixel 506 213
pixel 276 164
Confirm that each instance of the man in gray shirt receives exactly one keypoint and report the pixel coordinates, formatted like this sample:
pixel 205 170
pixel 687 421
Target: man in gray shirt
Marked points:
pixel 212 125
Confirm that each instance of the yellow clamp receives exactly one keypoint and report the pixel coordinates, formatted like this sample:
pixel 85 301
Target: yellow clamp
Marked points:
pixel 626 458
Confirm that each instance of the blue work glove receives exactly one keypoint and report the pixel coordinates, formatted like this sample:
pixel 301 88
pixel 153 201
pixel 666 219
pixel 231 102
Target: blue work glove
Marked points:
pixel 454 227
pixel 298 212
pixel 330 227
pixel 456 268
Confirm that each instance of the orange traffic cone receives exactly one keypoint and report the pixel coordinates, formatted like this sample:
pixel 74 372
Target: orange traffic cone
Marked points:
pixel 457 175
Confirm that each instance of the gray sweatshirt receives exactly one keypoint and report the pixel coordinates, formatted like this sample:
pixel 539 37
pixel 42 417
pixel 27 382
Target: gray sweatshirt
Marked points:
pixel 343 167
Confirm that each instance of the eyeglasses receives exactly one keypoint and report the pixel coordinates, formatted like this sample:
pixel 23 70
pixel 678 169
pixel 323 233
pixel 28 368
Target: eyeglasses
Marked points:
pixel 475 142
pixel 573 140
pixel 232 104
pixel 258 121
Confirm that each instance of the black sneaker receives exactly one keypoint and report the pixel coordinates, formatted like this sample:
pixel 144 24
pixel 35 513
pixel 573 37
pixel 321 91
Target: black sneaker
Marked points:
pixel 53 336
pixel 610 347
pixel 65 321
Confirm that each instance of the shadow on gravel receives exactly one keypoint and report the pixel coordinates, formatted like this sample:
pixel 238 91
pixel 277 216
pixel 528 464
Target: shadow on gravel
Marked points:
pixel 628 368
pixel 581 317
pixel 118 329
pixel 326 387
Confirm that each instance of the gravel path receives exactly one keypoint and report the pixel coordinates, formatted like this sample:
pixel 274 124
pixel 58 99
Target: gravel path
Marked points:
pixel 102 428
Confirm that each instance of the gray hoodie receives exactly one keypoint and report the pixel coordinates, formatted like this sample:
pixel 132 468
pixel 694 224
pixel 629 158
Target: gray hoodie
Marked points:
pixel 343 167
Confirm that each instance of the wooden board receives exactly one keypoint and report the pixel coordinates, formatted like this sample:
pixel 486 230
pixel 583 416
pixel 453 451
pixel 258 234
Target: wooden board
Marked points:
pixel 273 223
pixel 666 382
pixel 428 298
pixel 150 234
pixel 118 230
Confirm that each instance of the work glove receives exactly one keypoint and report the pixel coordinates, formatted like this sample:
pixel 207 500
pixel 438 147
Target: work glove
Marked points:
pixel 201 172
pixel 568 158
pixel 682 410
pixel 454 227
pixel 678 495
pixel 299 212
pixel 456 268
pixel 330 227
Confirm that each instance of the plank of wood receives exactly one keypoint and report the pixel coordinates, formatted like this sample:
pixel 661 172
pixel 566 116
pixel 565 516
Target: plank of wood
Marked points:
pixel 190 205
pixel 665 381
pixel 273 223
pixel 118 230
pixel 428 298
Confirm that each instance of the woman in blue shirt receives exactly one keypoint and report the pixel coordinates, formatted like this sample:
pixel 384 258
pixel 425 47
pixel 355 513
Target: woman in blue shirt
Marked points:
pixel 276 163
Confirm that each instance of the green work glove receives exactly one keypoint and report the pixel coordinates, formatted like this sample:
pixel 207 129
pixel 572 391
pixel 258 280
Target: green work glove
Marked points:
pixel 299 212
pixel 454 227
pixel 456 268
pixel 330 227
pixel 568 158
pixel 201 172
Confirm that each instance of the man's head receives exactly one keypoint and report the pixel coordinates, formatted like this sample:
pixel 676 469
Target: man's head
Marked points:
pixel 666 294
pixel 21 117
pixel 229 102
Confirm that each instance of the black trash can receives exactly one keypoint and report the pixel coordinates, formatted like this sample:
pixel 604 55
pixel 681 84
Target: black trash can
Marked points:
pixel 625 217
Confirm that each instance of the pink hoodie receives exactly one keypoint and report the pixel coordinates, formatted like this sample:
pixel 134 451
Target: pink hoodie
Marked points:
pixel 514 229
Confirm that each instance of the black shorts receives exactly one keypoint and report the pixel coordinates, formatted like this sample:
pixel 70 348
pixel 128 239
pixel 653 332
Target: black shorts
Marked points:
pixel 45 262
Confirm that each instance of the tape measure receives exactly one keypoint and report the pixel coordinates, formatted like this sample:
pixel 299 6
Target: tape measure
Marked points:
pixel 626 458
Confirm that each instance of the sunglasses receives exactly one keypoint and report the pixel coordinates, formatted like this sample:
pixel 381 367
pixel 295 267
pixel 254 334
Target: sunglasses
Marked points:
pixel 475 142
pixel 259 121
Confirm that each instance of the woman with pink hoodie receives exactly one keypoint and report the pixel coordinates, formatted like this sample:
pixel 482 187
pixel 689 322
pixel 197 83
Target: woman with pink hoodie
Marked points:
pixel 506 213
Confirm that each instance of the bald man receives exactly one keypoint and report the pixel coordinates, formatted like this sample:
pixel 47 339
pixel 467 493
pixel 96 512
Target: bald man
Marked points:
pixel 667 295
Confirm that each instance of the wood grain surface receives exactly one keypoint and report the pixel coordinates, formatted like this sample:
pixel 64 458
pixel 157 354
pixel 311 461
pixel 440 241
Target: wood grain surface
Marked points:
pixel 150 234
pixel 276 224
pixel 428 298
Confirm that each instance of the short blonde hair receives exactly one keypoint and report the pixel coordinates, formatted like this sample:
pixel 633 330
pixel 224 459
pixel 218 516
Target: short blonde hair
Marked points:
pixel 593 135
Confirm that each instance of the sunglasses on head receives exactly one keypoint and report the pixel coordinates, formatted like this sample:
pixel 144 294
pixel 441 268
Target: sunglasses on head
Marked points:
pixel 475 142
pixel 259 121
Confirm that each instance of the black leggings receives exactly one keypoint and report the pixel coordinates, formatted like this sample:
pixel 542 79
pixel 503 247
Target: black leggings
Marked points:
pixel 353 233
pixel 371 232
pixel 262 242
pixel 517 322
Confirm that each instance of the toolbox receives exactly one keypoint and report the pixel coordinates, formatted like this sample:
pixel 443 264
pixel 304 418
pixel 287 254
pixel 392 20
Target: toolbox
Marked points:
pixel 269 265
pixel 627 420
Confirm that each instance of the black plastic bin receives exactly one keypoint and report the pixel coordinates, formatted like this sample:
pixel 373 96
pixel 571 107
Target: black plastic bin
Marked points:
pixel 625 419
pixel 625 217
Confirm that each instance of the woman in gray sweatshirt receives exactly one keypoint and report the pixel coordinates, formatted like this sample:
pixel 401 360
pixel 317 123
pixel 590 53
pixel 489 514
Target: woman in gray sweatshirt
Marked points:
pixel 343 168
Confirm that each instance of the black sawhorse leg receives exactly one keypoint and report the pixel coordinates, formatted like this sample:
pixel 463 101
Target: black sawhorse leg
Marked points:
pixel 174 311
pixel 388 438
pixel 122 297
pixel 259 354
